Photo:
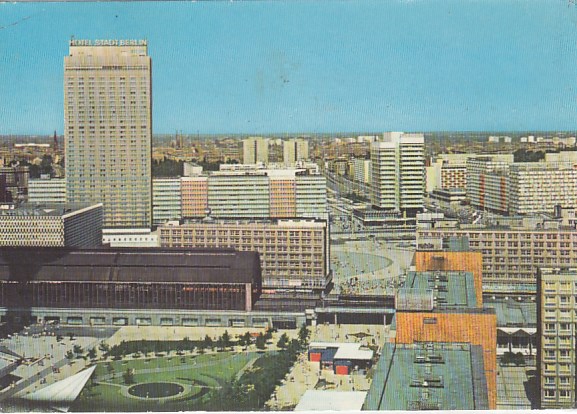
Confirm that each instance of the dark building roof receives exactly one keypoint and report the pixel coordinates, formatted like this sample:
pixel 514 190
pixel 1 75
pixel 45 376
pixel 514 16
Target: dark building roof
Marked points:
pixel 130 265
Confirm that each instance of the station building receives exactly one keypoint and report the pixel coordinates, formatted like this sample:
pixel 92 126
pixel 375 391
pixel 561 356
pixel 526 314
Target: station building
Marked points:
pixel 70 285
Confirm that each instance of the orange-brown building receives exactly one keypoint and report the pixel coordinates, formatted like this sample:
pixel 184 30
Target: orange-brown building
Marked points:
pixel 441 305
pixel 194 196
pixel 282 198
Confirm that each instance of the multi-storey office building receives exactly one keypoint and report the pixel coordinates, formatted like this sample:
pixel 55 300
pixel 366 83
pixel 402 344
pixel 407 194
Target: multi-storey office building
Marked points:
pixel 51 226
pixel 47 191
pixel 513 248
pixel 537 187
pixel 256 193
pixel 294 254
pixel 108 129
pixel 295 150
pixel 488 182
pixel 167 200
pixel 398 172
pixel 241 194
pixel 556 322
pixel 254 149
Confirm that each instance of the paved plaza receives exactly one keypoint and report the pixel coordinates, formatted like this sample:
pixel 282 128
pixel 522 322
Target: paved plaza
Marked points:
pixel 307 375
pixel 372 266
pixel 46 360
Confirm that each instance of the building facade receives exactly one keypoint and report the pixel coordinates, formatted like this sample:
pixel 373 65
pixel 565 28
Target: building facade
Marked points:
pixel 254 150
pixel 129 279
pixel 398 172
pixel 167 200
pixel 294 253
pixel 51 226
pixel 295 150
pixel 488 183
pixel 47 191
pixel 108 129
pixel 513 249
pixel 362 170
pixel 537 187
pixel 14 183
pixel 556 322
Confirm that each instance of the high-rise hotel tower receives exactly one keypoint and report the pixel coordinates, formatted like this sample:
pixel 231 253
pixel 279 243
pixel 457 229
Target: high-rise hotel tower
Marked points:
pixel 398 172
pixel 108 129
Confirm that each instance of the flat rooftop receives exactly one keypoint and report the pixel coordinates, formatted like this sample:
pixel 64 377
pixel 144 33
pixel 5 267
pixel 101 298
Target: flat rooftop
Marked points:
pixel 511 313
pixel 447 289
pixel 45 210
pixel 129 265
pixel 320 400
pixel 426 376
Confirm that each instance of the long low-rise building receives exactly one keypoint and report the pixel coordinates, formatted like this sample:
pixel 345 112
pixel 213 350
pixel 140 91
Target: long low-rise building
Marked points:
pixel 60 225
pixel 512 248
pixel 294 253
pixel 129 279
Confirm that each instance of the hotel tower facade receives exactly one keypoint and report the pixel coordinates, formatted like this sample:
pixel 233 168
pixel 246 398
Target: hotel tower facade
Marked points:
pixel 108 129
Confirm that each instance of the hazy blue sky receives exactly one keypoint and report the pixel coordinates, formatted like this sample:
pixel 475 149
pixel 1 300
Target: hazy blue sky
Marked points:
pixel 318 66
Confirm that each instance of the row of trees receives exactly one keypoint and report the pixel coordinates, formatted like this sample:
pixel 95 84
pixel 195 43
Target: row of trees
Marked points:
pixel 223 342
pixel 256 385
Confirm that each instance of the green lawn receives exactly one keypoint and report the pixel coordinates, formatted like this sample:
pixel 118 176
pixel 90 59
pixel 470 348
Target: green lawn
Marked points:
pixel 206 374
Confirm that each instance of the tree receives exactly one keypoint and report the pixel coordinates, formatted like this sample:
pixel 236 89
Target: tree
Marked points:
pixel 261 341
pixel 220 344
pixel 92 353
pixel 208 342
pixel 77 349
pixel 128 376
pixel 69 354
pixel 226 339
pixel 104 347
pixel 283 341
pixel 303 335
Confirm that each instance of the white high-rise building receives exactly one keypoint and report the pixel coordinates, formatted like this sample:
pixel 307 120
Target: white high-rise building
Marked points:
pixel 255 150
pixel 295 150
pixel 398 172
pixel 108 129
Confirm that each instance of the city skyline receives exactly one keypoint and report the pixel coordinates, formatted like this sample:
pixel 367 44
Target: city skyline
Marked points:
pixel 234 67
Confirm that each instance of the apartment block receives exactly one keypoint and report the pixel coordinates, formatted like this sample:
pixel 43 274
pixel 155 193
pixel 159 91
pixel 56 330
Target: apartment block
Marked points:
pixel 556 322
pixel 294 253
pixel 295 150
pixel 362 170
pixel 108 129
pixel 398 172
pixel 488 182
pixel 538 187
pixel 47 191
pixel 254 150
pixel 513 247
pixel 51 226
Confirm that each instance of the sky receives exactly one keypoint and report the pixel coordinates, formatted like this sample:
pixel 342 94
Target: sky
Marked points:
pixel 310 66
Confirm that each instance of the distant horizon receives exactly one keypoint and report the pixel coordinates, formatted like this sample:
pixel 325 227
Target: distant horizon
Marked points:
pixel 336 134
pixel 316 66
